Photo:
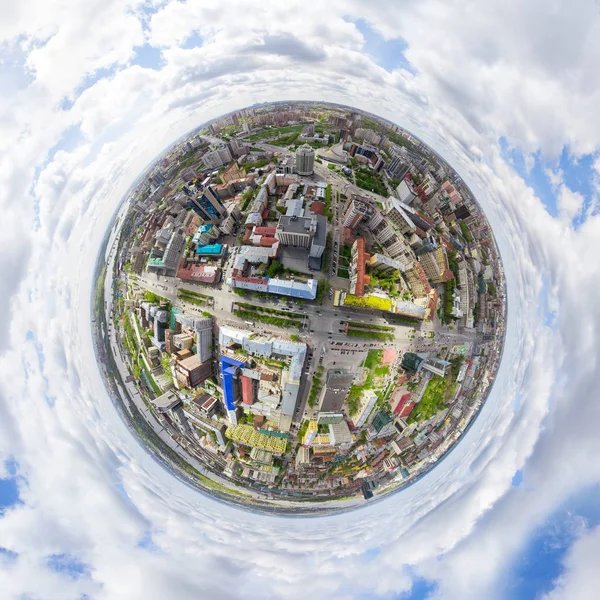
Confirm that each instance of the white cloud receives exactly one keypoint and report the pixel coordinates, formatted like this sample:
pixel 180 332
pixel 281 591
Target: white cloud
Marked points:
pixel 497 70
pixel 581 578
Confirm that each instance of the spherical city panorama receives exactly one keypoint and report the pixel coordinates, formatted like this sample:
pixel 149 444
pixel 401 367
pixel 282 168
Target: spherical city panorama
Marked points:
pixel 299 307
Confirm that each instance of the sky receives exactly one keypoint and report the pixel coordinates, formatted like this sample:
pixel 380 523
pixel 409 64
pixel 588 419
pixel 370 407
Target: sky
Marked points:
pixel 506 91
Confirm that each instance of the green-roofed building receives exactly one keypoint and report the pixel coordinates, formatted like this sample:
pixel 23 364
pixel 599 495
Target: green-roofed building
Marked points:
pixel 411 362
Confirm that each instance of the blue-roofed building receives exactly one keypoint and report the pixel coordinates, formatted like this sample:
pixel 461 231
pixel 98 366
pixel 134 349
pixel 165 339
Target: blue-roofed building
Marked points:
pixel 296 289
pixel 210 250
pixel 229 372
pixel 205 234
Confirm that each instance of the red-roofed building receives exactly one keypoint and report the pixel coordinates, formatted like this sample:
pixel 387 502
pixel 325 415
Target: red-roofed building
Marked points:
pixel 267 241
pixel 318 208
pixel 265 213
pixel 270 231
pixel 202 273
pixel 358 278
pixel 247 390
pixel 405 406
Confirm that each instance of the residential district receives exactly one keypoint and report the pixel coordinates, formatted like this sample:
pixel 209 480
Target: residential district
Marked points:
pixel 305 302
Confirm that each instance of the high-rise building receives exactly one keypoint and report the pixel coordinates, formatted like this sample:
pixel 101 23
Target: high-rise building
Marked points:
pixel 368 400
pixel 355 211
pixel 405 192
pixel 305 160
pixel 205 202
pixel 384 264
pixel 217 157
pixel 399 216
pixel 399 167
pixel 296 231
pixel 358 277
pixel 204 337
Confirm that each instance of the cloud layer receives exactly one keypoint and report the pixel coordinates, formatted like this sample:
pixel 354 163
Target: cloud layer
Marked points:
pixel 94 91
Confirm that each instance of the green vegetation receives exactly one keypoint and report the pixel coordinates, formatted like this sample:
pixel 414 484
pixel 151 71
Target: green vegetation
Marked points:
pixel 386 282
pixel 323 287
pixel 274 132
pixel 192 297
pixel 275 269
pixel 263 162
pixel 331 166
pixel 268 309
pixel 447 315
pixel 294 337
pixel 327 254
pixel 316 386
pixel 373 364
pixel 403 320
pixel 372 335
pixel 302 430
pixel 453 263
pixel 369 180
pixel 438 392
pixel 328 211
pixel 285 140
pixel 491 289
pixel 465 232
pixel 165 363
pixel 373 359
pixel 246 198
pixel 155 298
pixel 277 321
pixel 355 324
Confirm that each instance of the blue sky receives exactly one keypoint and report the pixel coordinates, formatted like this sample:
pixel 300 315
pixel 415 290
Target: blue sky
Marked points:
pixel 388 54
pixel 540 562
pixel 9 488
pixel 577 172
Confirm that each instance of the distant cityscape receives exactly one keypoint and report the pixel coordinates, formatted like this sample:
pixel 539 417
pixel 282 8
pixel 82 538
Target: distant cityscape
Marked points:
pixel 300 307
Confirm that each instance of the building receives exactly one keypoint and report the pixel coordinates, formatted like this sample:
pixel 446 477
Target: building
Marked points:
pixel 230 370
pixel 396 213
pixel 261 346
pixel 218 157
pixel 384 264
pixel 368 401
pixel 339 434
pixel 306 290
pixel 399 167
pixel 167 401
pixel 296 231
pixel 436 366
pixel 191 372
pixel 411 362
pixel 171 255
pixel 337 386
pixel 405 192
pixel 355 211
pixel 319 241
pixel 205 234
pixel 367 135
pixel 358 277
pixel 205 202
pixel 305 160
pixel 381 426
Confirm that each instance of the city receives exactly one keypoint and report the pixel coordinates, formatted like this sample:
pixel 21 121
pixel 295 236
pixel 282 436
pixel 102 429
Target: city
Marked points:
pixel 300 302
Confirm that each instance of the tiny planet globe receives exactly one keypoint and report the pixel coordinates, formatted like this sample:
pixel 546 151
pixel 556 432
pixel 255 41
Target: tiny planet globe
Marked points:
pixel 299 308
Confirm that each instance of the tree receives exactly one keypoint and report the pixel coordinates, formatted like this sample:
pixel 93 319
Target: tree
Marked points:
pixel 274 269
pixel 294 337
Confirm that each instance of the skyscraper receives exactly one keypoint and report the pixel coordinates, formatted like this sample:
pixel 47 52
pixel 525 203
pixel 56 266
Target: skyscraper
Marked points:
pixel 207 204
pixel 305 160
